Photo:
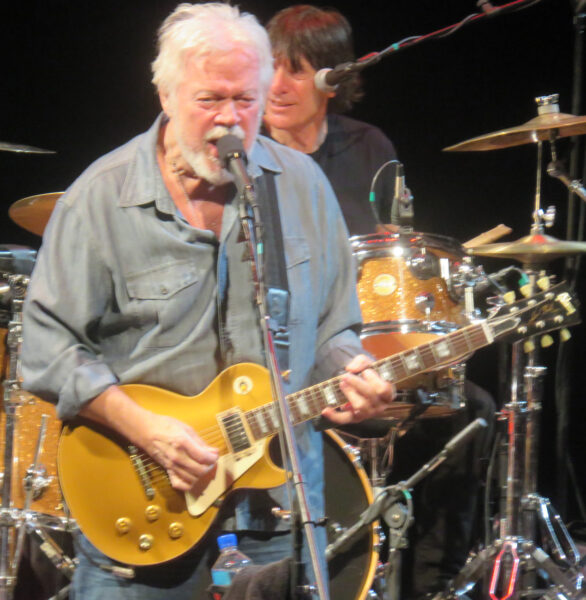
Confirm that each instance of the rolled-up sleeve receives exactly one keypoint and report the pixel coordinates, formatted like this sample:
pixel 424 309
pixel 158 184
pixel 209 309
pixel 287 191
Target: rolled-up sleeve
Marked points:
pixel 65 301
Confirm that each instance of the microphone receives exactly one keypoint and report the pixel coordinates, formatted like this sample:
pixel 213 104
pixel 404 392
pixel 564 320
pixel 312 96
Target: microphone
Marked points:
pixel 233 157
pixel 327 80
pixel 399 183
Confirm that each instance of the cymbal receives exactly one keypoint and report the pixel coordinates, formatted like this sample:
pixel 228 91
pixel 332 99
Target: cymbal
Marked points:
pixel 33 213
pixel 532 249
pixel 535 130
pixel 8 147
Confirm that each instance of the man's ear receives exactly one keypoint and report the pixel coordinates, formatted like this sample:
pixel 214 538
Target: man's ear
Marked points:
pixel 165 102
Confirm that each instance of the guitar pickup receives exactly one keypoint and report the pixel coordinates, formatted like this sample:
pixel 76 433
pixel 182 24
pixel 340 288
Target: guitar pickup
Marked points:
pixel 235 431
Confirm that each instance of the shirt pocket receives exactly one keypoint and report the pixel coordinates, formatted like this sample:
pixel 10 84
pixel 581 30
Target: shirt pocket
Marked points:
pixel 163 301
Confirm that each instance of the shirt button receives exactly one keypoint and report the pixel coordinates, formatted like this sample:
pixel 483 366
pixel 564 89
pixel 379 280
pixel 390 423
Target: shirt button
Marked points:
pixel 164 290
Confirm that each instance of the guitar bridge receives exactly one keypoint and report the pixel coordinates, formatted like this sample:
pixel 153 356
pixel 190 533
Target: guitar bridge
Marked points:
pixel 141 471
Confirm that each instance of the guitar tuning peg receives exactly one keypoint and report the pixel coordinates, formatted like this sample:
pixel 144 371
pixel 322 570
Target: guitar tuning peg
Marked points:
pixel 546 341
pixel 528 346
pixel 565 335
pixel 509 297
pixel 544 283
pixel 526 290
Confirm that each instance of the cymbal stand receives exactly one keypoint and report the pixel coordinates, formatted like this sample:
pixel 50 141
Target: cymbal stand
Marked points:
pixel 12 400
pixel 514 561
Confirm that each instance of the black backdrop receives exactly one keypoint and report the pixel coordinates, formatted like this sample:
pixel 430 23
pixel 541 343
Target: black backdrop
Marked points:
pixel 76 79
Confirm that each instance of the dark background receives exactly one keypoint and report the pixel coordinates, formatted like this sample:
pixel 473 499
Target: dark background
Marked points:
pixel 76 79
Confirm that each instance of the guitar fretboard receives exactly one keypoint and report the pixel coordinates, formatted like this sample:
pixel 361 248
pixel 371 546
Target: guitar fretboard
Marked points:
pixel 309 403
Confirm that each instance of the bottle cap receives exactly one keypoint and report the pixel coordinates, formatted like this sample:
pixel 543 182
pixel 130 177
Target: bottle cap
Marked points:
pixel 226 540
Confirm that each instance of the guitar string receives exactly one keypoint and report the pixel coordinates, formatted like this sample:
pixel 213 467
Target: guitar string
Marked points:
pixel 212 435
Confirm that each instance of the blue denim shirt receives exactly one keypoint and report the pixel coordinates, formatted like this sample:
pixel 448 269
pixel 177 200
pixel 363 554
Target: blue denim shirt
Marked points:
pixel 125 290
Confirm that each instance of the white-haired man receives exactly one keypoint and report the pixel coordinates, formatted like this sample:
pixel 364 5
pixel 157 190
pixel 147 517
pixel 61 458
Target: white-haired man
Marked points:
pixel 141 278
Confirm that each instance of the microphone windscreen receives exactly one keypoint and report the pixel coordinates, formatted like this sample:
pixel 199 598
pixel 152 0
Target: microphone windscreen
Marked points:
pixel 229 146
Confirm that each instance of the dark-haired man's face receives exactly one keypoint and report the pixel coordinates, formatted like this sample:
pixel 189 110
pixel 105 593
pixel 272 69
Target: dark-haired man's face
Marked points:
pixel 294 102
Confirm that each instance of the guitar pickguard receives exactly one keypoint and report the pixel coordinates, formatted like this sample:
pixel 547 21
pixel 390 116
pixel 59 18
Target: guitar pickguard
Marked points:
pixel 226 471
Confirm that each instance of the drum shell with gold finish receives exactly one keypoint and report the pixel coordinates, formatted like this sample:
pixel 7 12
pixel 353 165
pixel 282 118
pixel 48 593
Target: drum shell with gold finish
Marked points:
pixel 407 298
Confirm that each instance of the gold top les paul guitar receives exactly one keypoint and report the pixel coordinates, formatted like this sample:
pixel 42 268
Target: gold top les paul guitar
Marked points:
pixel 122 500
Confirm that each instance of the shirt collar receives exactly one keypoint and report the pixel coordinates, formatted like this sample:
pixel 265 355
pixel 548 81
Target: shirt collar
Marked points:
pixel 145 184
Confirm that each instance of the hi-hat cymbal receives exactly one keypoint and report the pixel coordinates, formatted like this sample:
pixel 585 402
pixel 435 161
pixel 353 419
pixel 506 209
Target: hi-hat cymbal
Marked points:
pixel 33 213
pixel 8 147
pixel 535 248
pixel 538 129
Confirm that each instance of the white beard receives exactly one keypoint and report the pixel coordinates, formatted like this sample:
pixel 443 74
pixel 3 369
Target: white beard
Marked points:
pixel 199 160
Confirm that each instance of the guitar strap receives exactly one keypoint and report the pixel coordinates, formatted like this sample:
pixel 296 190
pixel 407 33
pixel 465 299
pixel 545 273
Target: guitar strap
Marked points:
pixel 277 284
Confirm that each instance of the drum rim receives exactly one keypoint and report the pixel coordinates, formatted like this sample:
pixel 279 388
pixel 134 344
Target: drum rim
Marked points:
pixel 405 326
pixel 370 572
pixel 378 241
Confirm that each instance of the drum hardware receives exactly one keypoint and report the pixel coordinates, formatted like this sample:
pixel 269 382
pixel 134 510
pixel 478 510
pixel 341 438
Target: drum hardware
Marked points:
pixel 29 497
pixel 33 213
pixel 393 504
pixel 514 560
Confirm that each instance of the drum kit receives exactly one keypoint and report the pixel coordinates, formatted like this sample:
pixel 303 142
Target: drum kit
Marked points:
pixel 413 288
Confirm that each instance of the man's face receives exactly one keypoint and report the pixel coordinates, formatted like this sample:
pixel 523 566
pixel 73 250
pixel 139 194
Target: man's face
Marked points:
pixel 294 102
pixel 218 94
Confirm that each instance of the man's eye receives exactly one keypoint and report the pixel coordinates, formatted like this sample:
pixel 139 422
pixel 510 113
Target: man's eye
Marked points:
pixel 207 102
pixel 245 101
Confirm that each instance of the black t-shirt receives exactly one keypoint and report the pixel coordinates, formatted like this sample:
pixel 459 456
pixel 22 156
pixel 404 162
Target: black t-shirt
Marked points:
pixel 350 155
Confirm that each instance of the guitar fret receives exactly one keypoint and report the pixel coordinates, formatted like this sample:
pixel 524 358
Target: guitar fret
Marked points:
pixel 398 368
pixel 412 361
pixel 329 393
pixel 427 356
pixel 385 370
pixel 441 350
pixel 303 406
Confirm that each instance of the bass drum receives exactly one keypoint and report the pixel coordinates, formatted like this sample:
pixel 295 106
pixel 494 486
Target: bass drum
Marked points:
pixel 347 495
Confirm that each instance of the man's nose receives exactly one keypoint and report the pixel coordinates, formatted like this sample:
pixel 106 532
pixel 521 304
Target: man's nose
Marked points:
pixel 227 114
pixel 280 80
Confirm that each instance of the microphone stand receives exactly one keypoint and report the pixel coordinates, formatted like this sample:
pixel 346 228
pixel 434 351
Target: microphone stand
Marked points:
pixel 347 70
pixel 386 501
pixel 252 227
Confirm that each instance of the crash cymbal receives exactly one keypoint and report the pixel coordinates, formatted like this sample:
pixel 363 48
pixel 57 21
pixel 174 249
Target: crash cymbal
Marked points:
pixel 532 249
pixel 8 147
pixel 535 130
pixel 33 213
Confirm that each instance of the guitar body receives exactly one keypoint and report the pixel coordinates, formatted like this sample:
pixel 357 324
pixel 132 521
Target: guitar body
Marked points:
pixel 105 493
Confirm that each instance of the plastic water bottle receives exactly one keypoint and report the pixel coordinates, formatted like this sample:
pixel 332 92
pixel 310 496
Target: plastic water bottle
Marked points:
pixel 230 561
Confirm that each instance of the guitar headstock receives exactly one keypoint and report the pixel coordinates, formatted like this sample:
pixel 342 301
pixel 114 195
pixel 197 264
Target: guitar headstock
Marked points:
pixel 549 310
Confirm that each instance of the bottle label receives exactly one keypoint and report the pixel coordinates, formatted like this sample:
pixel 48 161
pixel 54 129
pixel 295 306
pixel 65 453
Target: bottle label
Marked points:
pixel 222 577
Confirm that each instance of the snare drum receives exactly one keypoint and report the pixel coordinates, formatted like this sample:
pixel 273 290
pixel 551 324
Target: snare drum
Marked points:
pixel 347 495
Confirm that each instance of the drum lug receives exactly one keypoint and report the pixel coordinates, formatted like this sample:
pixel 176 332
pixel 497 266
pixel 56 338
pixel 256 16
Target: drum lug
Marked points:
pixel 425 303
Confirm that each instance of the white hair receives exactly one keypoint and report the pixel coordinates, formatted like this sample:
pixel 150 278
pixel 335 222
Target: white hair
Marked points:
pixel 203 29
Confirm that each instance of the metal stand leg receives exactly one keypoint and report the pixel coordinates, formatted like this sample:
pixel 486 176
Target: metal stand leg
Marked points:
pixel 514 565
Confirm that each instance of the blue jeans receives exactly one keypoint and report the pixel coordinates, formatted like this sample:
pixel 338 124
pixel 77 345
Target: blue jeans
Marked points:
pixel 185 578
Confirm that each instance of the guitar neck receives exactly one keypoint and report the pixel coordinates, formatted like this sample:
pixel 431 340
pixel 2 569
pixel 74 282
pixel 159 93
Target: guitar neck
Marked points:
pixel 309 403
